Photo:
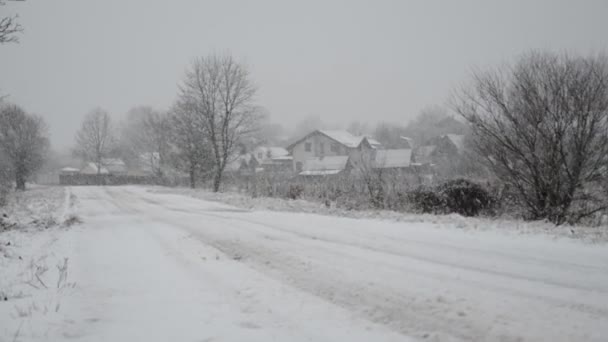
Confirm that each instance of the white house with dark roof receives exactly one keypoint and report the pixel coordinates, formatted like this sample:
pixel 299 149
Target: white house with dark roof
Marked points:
pixel 320 144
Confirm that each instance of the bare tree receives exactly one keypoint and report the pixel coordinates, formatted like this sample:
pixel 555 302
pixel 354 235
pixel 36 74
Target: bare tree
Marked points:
pixel 95 139
pixel 144 134
pixel 542 126
pixel 24 142
pixel 188 148
pixel 9 28
pixel 219 90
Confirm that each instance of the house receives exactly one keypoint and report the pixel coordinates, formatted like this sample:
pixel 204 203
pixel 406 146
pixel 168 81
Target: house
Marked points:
pixel 261 159
pixel 69 171
pixel 397 160
pixel 325 166
pixel 149 162
pixel 114 166
pixel 423 155
pixel 265 153
pixel 91 169
pixel 272 159
pixel 241 164
pixel 327 143
pixel 392 159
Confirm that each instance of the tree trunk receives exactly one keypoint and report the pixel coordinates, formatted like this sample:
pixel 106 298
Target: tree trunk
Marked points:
pixel 19 181
pixel 192 178
pixel 217 180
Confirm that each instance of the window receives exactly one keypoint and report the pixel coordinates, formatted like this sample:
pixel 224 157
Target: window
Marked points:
pixel 335 148
pixel 299 166
pixel 321 148
pixel 307 147
pixel 260 155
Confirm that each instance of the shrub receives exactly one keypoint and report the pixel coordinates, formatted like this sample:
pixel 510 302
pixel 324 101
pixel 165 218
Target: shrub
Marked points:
pixel 295 191
pixel 464 197
pixel 426 200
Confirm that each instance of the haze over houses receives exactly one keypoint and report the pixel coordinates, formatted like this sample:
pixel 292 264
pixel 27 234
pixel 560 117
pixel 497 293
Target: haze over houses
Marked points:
pixel 320 153
pixel 334 152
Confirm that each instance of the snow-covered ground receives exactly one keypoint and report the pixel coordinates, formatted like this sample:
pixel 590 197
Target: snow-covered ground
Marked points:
pixel 597 234
pixel 156 266
pixel 33 264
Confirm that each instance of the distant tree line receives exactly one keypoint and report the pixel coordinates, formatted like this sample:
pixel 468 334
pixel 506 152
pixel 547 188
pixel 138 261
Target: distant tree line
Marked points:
pixel 213 117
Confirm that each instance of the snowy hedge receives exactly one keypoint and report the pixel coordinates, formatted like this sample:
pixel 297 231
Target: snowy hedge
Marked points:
pixel 459 196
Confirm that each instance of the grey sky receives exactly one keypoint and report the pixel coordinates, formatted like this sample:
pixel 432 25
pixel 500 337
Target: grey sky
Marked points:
pixel 341 60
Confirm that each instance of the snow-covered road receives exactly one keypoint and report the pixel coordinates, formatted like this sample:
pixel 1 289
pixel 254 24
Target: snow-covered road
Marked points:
pixel 161 267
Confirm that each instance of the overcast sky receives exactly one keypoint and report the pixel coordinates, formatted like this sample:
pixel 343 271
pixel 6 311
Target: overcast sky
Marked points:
pixel 340 60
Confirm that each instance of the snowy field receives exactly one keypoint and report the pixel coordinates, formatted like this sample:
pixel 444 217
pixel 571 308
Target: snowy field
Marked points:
pixel 149 265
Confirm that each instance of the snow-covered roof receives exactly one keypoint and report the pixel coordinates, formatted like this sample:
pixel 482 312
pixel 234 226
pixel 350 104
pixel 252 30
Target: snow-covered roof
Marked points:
pixel 70 169
pixel 344 137
pixel 392 158
pixel 114 165
pixel 91 169
pixel 319 172
pixel 112 161
pixel 373 142
pixel 407 142
pixel 324 165
pixel 270 153
pixel 283 158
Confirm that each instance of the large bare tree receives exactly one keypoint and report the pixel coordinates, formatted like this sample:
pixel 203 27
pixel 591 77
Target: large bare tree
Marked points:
pixel 542 127
pixel 221 93
pixel 9 28
pixel 23 141
pixel 95 139
pixel 188 150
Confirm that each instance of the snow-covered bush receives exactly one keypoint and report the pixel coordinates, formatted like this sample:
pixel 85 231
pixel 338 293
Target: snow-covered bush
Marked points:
pixel 464 197
pixel 427 200
pixel 459 196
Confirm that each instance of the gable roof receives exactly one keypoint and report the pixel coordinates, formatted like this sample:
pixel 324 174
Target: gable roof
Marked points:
pixel 343 137
pixel 324 166
pixel 407 142
pixel 385 159
pixel 373 143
